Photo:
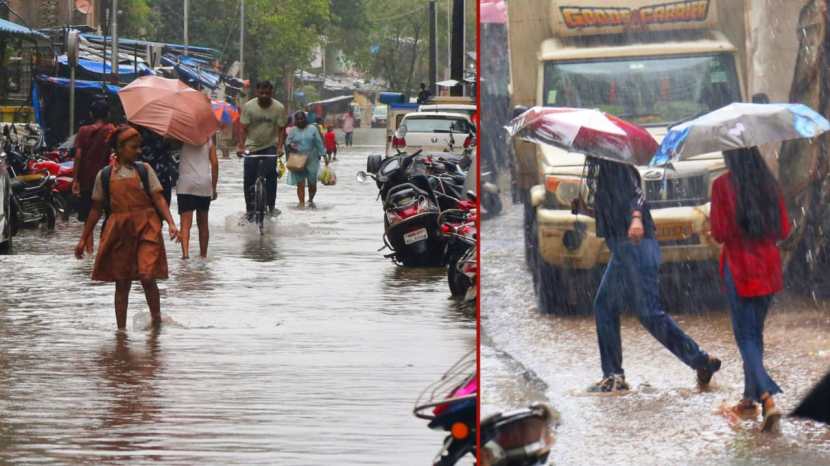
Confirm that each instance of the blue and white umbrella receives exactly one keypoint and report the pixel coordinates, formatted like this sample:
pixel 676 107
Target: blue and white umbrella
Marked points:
pixel 739 125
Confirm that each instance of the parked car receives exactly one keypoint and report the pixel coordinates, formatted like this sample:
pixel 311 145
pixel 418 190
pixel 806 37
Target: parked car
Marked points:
pixel 463 109
pixel 434 132
pixel 379 114
pixel 6 217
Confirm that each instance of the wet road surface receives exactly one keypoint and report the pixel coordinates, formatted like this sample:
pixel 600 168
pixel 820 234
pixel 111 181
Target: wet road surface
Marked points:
pixel 527 357
pixel 301 347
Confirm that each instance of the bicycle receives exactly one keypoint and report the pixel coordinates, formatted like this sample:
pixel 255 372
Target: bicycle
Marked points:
pixel 260 197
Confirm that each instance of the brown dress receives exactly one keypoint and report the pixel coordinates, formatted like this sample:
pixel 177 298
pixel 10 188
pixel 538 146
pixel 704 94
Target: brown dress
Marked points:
pixel 131 246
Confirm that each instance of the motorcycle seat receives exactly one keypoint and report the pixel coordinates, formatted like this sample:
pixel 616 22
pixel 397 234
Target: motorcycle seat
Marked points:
pixel 28 183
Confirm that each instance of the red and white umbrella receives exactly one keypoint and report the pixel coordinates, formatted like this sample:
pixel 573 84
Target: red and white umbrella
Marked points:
pixel 588 131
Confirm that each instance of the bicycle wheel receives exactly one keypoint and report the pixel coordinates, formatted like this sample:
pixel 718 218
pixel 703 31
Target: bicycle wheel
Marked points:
pixel 259 204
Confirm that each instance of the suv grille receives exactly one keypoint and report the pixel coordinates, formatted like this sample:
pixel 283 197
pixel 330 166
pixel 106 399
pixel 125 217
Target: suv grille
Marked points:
pixel 677 192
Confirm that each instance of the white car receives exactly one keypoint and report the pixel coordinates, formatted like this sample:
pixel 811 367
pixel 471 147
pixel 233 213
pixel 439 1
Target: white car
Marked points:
pixel 462 109
pixel 434 132
pixel 379 115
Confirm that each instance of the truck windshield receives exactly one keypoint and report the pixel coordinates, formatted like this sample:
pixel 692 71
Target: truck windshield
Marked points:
pixel 647 91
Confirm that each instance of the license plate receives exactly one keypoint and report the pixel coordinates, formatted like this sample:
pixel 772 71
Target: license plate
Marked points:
pixel 415 236
pixel 674 231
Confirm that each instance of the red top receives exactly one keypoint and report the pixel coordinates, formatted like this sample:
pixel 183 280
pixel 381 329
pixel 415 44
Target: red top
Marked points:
pixel 93 142
pixel 331 141
pixel 755 263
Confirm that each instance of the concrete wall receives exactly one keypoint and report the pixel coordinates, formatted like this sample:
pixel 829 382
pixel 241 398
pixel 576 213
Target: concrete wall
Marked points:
pixel 51 13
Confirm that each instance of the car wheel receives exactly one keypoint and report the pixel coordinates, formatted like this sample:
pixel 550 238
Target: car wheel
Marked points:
pixel 563 291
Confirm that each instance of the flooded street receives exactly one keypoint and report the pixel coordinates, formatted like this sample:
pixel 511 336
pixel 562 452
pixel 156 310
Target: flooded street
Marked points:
pixel 303 346
pixel 527 356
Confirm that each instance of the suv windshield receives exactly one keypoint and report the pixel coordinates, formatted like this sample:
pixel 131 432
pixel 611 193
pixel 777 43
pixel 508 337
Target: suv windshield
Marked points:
pixel 437 125
pixel 647 91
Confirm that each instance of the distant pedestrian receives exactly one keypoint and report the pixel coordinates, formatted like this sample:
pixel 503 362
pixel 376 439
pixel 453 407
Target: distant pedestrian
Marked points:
pixel 131 247
pixel 92 153
pixel 623 218
pixel 331 144
pixel 305 139
pixel 196 188
pixel 748 216
pixel 424 94
pixel 348 128
pixel 262 125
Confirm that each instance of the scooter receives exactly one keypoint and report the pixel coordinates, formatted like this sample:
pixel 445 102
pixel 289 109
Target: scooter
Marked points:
pixel 411 207
pixel 31 193
pixel 450 406
pixel 459 228
pixel 517 438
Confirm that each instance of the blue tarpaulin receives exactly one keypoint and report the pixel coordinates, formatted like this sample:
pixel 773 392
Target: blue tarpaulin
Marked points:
pixel 79 84
pixel 8 27
pixel 97 67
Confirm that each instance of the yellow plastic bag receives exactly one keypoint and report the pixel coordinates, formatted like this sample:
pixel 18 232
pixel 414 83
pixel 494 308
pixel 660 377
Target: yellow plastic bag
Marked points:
pixel 280 168
pixel 327 176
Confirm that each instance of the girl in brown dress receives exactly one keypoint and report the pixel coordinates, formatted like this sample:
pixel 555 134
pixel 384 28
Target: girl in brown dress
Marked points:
pixel 131 246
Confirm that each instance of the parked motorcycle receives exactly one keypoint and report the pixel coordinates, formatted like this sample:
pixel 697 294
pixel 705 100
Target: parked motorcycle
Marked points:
pixel 415 189
pixel 62 197
pixel 449 405
pixel 491 204
pixel 517 438
pixel 31 192
pixel 459 228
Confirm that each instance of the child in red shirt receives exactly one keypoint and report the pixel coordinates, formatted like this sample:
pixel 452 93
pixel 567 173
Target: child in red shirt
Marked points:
pixel 331 144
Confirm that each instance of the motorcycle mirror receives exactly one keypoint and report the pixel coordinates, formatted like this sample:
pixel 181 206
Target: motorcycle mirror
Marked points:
pixel 362 177
pixel 472 196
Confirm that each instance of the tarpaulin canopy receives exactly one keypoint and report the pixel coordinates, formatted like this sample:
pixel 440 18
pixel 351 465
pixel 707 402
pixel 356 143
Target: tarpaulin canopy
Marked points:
pixel 128 72
pixel 10 28
pixel 79 84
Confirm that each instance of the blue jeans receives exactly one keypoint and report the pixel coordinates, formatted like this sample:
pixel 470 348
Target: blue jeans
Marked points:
pixel 249 176
pixel 748 315
pixel 631 278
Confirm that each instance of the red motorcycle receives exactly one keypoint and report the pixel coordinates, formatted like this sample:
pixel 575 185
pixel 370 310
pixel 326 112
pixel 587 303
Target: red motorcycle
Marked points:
pixel 62 197
pixel 458 226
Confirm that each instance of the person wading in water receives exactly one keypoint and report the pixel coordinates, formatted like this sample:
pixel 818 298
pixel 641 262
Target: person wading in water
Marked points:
pixel 131 246
pixel 624 220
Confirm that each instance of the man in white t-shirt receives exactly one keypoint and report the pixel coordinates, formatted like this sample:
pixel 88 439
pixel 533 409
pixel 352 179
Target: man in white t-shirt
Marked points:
pixel 195 189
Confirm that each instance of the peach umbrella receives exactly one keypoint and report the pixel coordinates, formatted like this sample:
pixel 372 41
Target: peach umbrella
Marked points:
pixel 170 108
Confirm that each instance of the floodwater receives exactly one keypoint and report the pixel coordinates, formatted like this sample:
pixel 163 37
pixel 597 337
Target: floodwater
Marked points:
pixel 304 346
pixel 527 356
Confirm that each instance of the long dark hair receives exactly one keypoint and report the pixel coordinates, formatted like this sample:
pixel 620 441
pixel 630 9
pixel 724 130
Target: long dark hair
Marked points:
pixel 757 193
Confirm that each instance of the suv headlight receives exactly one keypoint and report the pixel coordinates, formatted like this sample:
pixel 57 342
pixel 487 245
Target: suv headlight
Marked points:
pixel 565 189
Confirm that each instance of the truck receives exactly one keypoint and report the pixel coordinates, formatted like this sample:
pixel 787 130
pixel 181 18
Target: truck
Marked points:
pixel 652 62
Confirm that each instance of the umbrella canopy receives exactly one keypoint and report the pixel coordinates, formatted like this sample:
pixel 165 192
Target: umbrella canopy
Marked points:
pixel 225 113
pixel 740 125
pixel 170 108
pixel 588 131
pixel 448 83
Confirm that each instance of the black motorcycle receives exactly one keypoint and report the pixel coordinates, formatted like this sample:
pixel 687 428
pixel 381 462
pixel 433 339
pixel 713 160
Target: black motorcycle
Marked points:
pixel 459 228
pixel 414 189
pixel 31 193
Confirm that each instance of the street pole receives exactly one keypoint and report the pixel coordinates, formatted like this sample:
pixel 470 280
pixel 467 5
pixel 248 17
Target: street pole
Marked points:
pixel 241 39
pixel 457 60
pixel 114 61
pixel 71 99
pixel 69 6
pixel 449 34
pixel 186 36
pixel 433 49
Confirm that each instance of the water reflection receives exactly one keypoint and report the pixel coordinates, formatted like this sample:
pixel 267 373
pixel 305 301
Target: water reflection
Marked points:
pixel 128 380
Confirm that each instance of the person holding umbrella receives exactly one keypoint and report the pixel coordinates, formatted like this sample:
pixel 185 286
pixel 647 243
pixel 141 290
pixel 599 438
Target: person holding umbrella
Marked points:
pixel 613 148
pixel 748 216
pixel 623 218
